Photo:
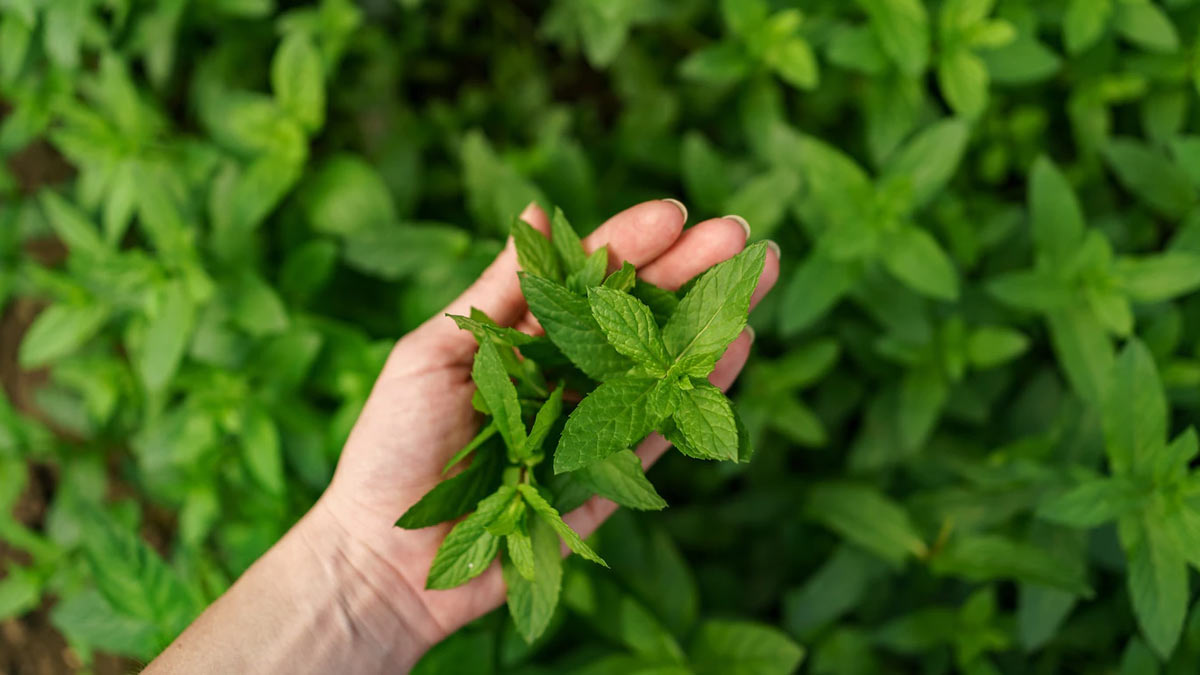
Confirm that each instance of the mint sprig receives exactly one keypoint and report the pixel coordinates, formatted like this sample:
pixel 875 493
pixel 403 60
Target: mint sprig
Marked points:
pixel 638 355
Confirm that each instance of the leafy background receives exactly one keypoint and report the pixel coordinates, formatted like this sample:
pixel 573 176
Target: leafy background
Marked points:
pixel 971 394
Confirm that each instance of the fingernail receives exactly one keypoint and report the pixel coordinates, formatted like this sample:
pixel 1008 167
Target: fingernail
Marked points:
pixel 740 221
pixel 753 334
pixel 679 205
pixel 775 247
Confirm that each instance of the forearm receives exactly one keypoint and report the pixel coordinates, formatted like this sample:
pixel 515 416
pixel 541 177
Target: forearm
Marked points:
pixel 317 602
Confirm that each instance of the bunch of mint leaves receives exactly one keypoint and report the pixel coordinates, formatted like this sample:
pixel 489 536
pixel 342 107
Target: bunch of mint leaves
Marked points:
pixel 639 355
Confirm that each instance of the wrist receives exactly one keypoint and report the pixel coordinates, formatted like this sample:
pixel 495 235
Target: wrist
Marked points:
pixel 364 595
pixel 318 601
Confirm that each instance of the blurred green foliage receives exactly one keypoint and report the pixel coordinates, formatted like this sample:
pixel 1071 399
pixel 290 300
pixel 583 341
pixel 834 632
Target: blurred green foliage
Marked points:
pixel 972 393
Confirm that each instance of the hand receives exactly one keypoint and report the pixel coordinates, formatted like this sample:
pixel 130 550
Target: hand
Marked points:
pixel 419 414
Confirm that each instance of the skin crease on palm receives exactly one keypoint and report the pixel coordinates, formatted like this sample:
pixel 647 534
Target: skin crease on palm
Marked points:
pixel 345 586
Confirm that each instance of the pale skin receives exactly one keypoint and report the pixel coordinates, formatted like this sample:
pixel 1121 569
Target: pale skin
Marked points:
pixel 344 590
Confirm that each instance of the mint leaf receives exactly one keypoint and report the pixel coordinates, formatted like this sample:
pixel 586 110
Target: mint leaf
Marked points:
pixel 20 591
pixel 132 577
pixel 630 328
pixel 1084 23
pixel 1034 290
pixel 167 335
pixel 930 159
pixel 1158 583
pixel 620 478
pixel 73 227
pixel 1161 277
pixel 866 517
pixel 624 280
pixel 1135 410
pixel 963 78
pixel 87 618
pixel 483 328
pixel 261 449
pixel 566 242
pixel 298 79
pixel 552 518
pixel 535 253
pixel 568 322
pixel 547 415
pixel 1084 350
pixel 500 395
pixel 713 312
pixel 59 330
pixel 519 547
pixel 480 438
pixel 818 284
pixel 1150 175
pixel 722 647
pixel 1172 464
pixel 914 257
pixel 618 616
pixel 834 589
pixel 615 416
pixel 469 548
pixel 1092 503
pixel 1041 610
pixel 990 346
pixel 660 301
pixel 510 519
pixel 531 601
pixel 988 557
pixel 456 496
pixel 705 419
pixel 592 272
pixel 1112 308
pixel 902 27
pixel 923 394
pixel 1055 215
pixel 1147 26
pixel 794 420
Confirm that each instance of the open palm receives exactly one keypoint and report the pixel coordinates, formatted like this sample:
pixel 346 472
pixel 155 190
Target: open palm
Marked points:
pixel 419 413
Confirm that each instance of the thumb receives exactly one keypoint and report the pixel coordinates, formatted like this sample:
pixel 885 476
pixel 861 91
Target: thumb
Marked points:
pixel 497 292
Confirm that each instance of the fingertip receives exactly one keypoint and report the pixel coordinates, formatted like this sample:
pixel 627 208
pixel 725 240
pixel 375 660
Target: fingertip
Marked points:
pixel 742 222
pixel 699 247
pixel 770 274
pixel 771 244
pixel 536 217
pixel 661 219
pixel 640 233
pixel 679 205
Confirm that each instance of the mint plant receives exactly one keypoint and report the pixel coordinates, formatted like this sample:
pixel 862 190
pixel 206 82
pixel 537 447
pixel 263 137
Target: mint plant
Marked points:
pixel 637 372
pixel 216 218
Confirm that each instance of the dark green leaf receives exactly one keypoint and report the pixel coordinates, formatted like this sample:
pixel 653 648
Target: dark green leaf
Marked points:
pixel 743 648
pixel 867 518
pixel 621 479
pixel 456 496
pixel 615 416
pixel 500 395
pixel 531 602
pixel 535 252
pixel 552 518
pixel 469 548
